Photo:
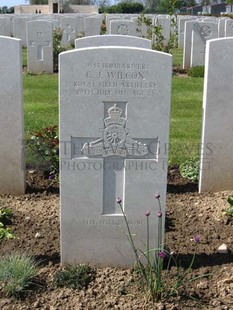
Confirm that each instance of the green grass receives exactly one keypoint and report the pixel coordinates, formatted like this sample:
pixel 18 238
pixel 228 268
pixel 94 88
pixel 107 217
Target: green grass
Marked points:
pixel 40 102
pixel 24 56
pixel 17 273
pixel 41 110
pixel 186 118
pixel 177 56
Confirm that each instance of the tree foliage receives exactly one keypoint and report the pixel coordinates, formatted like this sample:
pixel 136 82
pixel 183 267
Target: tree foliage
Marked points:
pixel 6 10
pixel 124 7
pixel 38 2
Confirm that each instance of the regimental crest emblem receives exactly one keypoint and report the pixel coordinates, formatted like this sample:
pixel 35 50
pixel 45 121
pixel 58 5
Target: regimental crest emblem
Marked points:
pixel 116 140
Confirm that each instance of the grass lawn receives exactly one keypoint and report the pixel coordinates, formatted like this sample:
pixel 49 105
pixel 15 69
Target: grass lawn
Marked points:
pixel 40 102
pixel 41 109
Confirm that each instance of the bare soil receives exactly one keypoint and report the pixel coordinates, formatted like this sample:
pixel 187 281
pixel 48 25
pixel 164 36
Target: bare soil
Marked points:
pixel 36 225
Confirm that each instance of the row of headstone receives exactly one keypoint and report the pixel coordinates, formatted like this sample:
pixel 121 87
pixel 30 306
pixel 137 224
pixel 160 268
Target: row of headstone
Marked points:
pixel 124 92
pixel 39 37
pixel 76 25
pixel 197 33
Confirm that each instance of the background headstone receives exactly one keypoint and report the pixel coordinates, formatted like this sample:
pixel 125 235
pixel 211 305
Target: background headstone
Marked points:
pixel 123 27
pixel 112 40
pixel 92 26
pixel 228 28
pixel 217 139
pixel 40 46
pixel 69 30
pixel 12 167
pixel 188 28
pixel 202 31
pixel 114 115
pixel 19 29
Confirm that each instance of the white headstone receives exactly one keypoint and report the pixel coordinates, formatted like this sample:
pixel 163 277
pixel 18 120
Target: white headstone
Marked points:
pixel 92 26
pixel 2 26
pixel 217 139
pixel 188 28
pixel 221 27
pixel 165 24
pixel 202 31
pixel 123 27
pixel 12 167
pixel 6 25
pixel 112 40
pixel 181 25
pixel 80 25
pixel 69 30
pixel 228 28
pixel 40 46
pixel 19 29
pixel 114 114
pixel 109 18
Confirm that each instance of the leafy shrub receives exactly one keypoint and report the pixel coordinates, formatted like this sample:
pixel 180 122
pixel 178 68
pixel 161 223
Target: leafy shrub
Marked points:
pixel 46 144
pixel 75 277
pixel 123 7
pixel 154 33
pixel 17 273
pixel 57 47
pixel 190 169
pixel 197 71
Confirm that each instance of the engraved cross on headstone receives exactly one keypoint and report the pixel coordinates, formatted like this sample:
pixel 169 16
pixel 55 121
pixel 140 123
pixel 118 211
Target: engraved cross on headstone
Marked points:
pixel 40 43
pixel 68 30
pixel 115 147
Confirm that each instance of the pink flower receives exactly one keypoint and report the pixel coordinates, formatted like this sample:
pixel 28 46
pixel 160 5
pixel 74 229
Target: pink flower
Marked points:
pixel 197 238
pixel 162 254
pixel 159 214
pixel 157 195
pixel 147 213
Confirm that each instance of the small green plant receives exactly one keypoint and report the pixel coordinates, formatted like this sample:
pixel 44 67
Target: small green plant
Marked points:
pixel 197 71
pixel 5 219
pixel 17 273
pixel 6 215
pixel 57 47
pixel 229 211
pixel 149 264
pixel 103 27
pixel 190 169
pixel 80 35
pixel 75 276
pixel 45 143
pixel 6 232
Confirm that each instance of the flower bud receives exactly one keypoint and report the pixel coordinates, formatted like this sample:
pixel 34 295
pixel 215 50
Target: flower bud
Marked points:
pixel 197 238
pixel 118 200
pixel 147 213
pixel 162 254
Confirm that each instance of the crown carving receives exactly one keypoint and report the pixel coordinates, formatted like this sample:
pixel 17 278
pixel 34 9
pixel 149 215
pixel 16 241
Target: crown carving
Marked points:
pixel 115 111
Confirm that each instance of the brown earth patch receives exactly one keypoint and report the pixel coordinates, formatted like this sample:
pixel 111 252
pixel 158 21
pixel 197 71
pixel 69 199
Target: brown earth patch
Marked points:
pixel 188 214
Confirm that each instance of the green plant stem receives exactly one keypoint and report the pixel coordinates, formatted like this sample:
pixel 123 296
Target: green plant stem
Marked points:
pixel 141 267
pixel 148 240
pixel 158 258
